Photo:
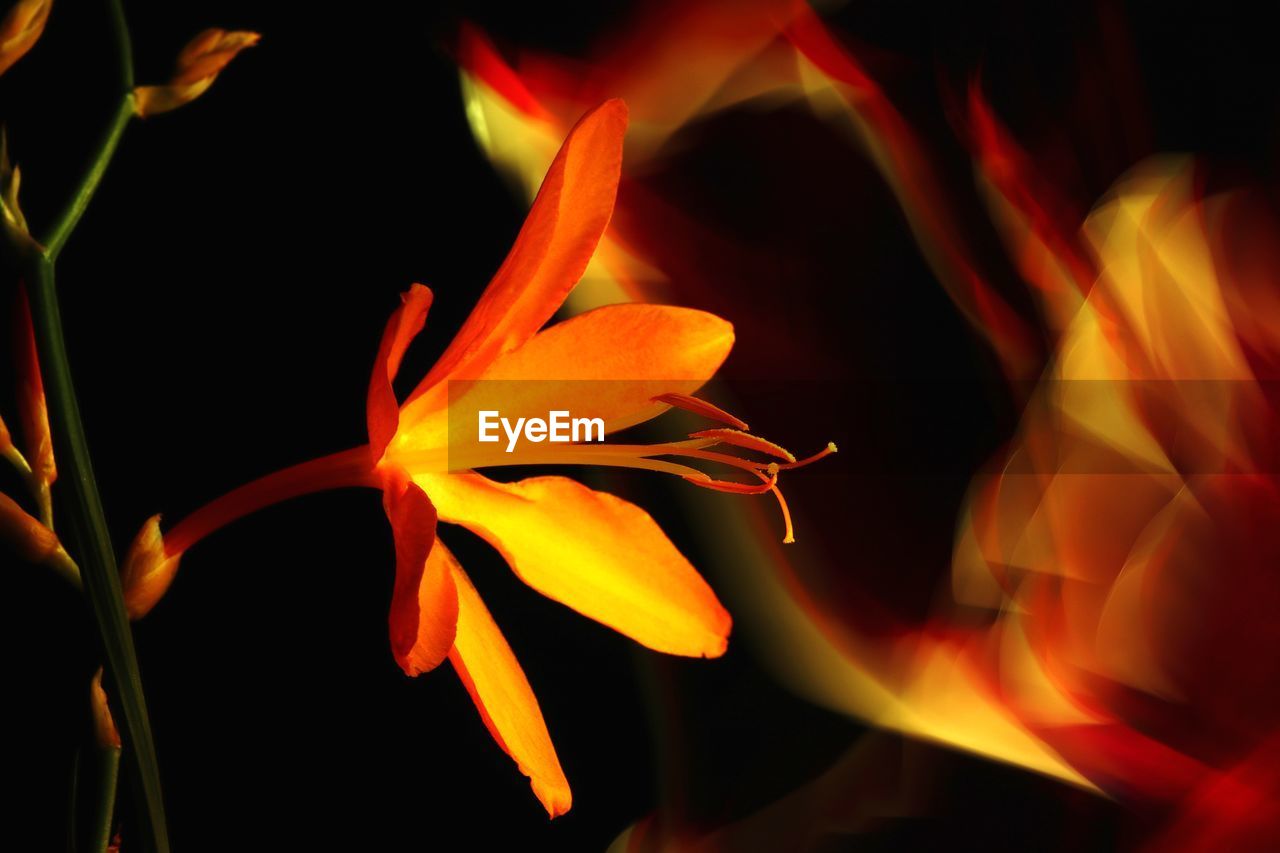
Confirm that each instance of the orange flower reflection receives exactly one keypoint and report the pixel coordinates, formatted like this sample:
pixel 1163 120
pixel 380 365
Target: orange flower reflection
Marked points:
pixel 1122 551
pixel 559 536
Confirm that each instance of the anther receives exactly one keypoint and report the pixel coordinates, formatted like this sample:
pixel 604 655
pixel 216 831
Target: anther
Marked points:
pixel 746 440
pixel 809 460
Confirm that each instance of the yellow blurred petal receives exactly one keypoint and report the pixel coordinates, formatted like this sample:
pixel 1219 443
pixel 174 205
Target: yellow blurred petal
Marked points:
pixel 600 555
pixel 198 66
pixel 502 694
pixel 147 570
pixel 21 29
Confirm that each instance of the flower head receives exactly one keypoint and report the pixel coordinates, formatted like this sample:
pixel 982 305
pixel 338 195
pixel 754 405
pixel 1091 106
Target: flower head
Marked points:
pixel 593 551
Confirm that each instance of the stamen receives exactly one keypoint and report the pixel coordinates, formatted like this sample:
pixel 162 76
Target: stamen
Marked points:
pixel 738 488
pixel 789 534
pixel 809 460
pixel 746 440
pixel 701 407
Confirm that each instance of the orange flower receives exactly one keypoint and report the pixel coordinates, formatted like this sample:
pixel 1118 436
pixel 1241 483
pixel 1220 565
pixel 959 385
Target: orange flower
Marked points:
pixel 621 363
pixel 21 29
pixel 198 66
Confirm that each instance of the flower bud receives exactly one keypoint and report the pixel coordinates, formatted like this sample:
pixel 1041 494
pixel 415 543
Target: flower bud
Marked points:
pixel 197 67
pixel 31 403
pixel 12 221
pixel 147 570
pixel 104 727
pixel 26 536
pixel 20 30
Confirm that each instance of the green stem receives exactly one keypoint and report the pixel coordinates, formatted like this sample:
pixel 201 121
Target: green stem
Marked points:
pixel 97 556
pixel 66 221
pixel 124 45
pixel 88 521
pixel 104 806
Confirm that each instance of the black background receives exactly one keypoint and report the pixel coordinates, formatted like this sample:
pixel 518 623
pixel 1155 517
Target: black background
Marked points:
pixel 223 299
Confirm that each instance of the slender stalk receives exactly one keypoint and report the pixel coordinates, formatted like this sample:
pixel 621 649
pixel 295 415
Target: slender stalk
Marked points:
pixel 86 517
pixel 88 185
pixel 97 556
pixel 124 45
pixel 346 468
pixel 104 805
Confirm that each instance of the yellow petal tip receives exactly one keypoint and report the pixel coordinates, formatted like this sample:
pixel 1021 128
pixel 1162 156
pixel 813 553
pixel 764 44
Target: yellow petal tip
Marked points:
pixel 148 570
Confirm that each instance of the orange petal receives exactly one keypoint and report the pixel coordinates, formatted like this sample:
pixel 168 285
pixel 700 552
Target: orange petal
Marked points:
pixel 424 604
pixel 502 694
pixel 608 363
pixel 620 356
pixel 383 410
pixel 600 555
pixel 551 252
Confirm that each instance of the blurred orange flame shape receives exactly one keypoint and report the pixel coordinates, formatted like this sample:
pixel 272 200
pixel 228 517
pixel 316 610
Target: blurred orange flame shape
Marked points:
pixel 623 363
pixel 1126 551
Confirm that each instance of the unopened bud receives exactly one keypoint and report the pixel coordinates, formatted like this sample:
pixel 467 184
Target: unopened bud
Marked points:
pixel 32 405
pixel 21 29
pixel 198 66
pixel 147 570
pixel 32 541
pixel 13 223
pixel 104 728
